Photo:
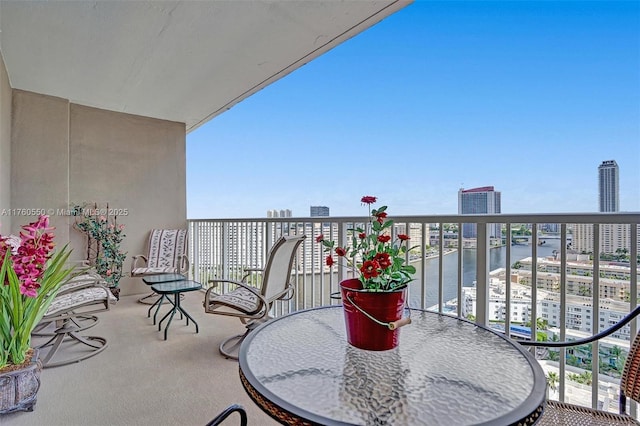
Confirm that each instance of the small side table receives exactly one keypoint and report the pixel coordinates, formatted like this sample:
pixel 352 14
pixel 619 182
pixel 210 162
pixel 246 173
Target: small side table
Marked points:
pixel 175 288
pixel 156 279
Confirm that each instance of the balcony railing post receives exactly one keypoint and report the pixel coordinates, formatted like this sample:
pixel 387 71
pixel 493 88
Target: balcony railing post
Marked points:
pixel 482 274
pixel 225 250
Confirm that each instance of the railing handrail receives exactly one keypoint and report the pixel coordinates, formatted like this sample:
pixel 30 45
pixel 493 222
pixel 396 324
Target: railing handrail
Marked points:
pixel 588 218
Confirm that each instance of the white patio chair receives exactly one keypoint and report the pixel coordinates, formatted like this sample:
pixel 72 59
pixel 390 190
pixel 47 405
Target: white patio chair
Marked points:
pixel 72 312
pixel 166 254
pixel 252 304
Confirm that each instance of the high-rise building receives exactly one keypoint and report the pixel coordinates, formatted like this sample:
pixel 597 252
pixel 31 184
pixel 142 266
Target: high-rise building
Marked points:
pixel 608 186
pixel 612 236
pixel 319 211
pixel 279 213
pixel 483 200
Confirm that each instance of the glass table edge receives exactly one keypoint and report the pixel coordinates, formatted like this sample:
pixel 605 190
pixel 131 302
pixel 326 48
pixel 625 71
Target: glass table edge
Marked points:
pixel 173 277
pixel 532 405
pixel 158 290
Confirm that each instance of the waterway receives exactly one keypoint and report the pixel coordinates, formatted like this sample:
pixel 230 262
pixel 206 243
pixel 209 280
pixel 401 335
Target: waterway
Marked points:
pixel 498 259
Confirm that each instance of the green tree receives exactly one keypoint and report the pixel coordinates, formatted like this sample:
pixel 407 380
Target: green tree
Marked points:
pixel 552 380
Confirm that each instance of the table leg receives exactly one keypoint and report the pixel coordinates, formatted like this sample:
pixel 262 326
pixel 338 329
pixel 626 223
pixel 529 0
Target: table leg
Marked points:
pixel 158 308
pixel 171 313
pixel 189 317
pixel 159 304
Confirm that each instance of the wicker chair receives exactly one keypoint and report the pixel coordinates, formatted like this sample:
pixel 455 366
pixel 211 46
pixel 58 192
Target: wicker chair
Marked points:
pixel 561 413
pixel 251 304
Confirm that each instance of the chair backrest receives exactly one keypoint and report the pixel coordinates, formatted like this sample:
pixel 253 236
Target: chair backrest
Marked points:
pixel 277 271
pixel 630 380
pixel 166 246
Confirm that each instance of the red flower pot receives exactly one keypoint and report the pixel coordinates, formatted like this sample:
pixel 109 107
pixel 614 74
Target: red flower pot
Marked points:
pixel 361 305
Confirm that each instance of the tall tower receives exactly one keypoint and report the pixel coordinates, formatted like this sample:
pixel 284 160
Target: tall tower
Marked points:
pixel 608 186
pixel 483 200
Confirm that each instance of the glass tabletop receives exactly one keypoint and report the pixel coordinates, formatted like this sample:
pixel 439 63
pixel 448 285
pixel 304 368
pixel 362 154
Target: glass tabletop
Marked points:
pixel 176 286
pixel 162 278
pixel 445 371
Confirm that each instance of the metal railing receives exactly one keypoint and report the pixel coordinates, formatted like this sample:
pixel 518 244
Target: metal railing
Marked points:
pixel 484 269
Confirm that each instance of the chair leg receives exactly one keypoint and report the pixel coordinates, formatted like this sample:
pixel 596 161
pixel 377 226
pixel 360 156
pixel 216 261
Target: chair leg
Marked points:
pixel 230 346
pixel 149 299
pixel 67 336
pixel 81 322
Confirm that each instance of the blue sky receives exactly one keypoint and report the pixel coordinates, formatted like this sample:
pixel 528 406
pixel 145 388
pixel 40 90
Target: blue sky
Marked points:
pixel 529 97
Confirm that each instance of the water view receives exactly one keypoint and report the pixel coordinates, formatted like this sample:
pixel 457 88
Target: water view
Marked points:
pixel 450 270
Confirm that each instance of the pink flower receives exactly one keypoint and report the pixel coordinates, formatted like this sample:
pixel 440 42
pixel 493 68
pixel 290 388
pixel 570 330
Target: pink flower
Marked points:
pixel 109 272
pixel 30 254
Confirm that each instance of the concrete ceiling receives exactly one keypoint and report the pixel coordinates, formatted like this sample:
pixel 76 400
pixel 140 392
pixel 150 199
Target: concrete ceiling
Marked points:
pixel 184 61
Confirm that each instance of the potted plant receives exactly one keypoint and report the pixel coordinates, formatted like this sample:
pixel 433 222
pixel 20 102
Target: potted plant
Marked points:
pixel 373 302
pixel 30 277
pixel 104 237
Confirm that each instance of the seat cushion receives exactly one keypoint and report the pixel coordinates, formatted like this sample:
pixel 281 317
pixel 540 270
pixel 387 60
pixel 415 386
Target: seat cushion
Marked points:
pixel 75 299
pixel 240 299
pixel 152 271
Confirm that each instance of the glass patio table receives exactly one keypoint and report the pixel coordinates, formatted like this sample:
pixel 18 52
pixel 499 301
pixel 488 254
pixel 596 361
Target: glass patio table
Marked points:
pixel 175 288
pixel 157 279
pixel 299 368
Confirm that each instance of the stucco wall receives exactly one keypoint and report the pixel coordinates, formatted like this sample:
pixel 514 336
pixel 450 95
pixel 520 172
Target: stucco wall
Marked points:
pixel 5 148
pixel 65 153
pixel 133 163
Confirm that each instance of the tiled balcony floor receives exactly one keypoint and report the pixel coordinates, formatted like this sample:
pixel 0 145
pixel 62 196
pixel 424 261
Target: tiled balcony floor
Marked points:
pixel 140 379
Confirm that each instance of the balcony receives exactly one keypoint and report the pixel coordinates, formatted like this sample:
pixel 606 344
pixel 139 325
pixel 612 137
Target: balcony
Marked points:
pixel 141 379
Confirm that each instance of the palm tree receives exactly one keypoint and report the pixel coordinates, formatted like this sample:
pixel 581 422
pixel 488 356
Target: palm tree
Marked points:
pixel 542 324
pixel 552 380
pixel 554 356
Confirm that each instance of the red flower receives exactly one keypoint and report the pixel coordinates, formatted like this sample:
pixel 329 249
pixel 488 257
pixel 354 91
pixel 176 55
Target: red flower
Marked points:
pixel 368 199
pixel 340 251
pixel 320 238
pixel 380 216
pixel 362 235
pixel 403 237
pixel 383 260
pixel 369 269
pixel 384 238
pixel 330 261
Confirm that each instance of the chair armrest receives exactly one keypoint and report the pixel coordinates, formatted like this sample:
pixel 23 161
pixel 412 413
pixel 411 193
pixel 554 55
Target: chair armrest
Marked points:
pixel 265 303
pixel 183 264
pixel 248 271
pixel 624 321
pixel 227 412
pixel 134 261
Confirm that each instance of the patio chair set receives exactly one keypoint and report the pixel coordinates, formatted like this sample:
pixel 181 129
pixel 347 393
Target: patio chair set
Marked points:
pixel 166 262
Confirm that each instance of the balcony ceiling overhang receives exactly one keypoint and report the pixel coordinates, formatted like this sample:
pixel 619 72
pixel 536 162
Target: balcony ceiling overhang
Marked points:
pixel 184 61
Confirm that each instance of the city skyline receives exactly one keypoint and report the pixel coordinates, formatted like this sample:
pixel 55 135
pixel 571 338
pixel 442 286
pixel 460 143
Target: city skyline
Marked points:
pixel 527 97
